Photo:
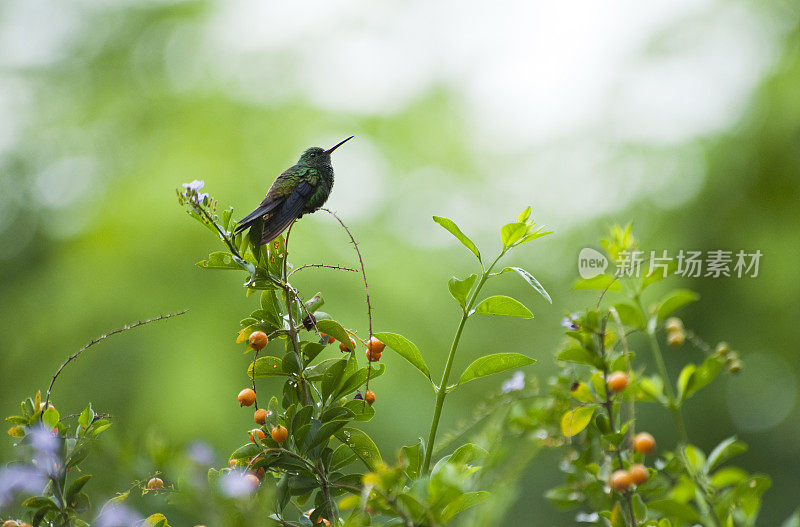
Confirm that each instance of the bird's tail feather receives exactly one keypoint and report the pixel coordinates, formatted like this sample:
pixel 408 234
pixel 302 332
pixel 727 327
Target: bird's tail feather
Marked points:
pixel 274 227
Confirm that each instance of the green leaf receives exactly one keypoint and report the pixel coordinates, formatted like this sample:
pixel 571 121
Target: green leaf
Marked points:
pixel 674 301
pixel 462 503
pixel 325 432
pixel 574 421
pixel 461 288
pixel 502 305
pixel 335 330
pixel 675 510
pixel 247 451
pixel 724 451
pixel 76 486
pixel 412 459
pixel 528 277
pixel 357 379
pixel 332 378
pixel 494 363
pixel 629 315
pixel 524 215
pixel 511 233
pixel 362 411
pixel 692 378
pixel 87 416
pixel 266 367
pixel 406 349
pixel 580 355
pixel 467 453
pixel 362 445
pixel 453 229
pixel 603 282
pixel 583 393
pixel 51 417
pixel 219 260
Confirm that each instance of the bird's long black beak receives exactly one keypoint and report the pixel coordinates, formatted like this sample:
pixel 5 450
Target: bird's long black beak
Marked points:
pixel 331 149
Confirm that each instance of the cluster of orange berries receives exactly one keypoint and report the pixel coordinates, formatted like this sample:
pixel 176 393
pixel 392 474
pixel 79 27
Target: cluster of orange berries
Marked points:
pixel 12 523
pixel 622 480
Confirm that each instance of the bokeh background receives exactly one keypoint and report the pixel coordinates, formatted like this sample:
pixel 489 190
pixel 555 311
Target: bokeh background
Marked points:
pixel 681 116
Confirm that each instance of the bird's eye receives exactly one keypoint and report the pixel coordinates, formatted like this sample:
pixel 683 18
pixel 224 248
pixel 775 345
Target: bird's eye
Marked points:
pixel 313 155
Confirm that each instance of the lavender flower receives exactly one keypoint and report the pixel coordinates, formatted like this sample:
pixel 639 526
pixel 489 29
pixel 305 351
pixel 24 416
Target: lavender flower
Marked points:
pixel 515 383
pixel 118 515
pixel 18 478
pixel 233 484
pixel 194 188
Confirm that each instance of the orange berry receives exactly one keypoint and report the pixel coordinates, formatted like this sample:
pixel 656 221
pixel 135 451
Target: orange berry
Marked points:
pixel 617 381
pixel 343 346
pixel 260 416
pixel 258 340
pixel 155 483
pixel 232 462
pixel 369 397
pixel 258 432
pixel 638 473
pixel 247 397
pixel 644 443
pixel 252 479
pixel 279 434
pixel 620 481
pixel 331 340
pixel 10 523
pixel 373 356
pixel 376 345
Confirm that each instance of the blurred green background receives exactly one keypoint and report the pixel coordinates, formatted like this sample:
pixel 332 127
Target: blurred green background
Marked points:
pixel 681 117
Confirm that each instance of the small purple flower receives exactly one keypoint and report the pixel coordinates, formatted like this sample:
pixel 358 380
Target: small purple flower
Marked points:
pixel 18 478
pixel 194 188
pixel 234 485
pixel 118 515
pixel 569 321
pixel 515 383
pixel 200 453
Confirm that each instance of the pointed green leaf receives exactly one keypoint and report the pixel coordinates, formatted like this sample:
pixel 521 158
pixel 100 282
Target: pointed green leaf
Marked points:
pixel 462 503
pixel 461 288
pixel 574 421
pixel 629 315
pixel 335 330
pixel 602 282
pixel 675 300
pixel 511 233
pixel 502 305
pixel 528 277
pixel 412 458
pixel 524 215
pixel 362 445
pixel 219 260
pixel 87 416
pixel 495 363
pixel 51 417
pixel 406 349
pixel 266 367
pixel 453 229
pixel 76 486
pixel 725 450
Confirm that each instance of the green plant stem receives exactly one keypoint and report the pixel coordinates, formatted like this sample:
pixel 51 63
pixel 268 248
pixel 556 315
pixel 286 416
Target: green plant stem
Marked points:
pixel 677 416
pixel 301 382
pixel 671 401
pixel 442 390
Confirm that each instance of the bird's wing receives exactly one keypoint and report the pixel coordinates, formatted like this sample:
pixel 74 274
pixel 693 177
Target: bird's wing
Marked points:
pixel 275 197
pixel 281 218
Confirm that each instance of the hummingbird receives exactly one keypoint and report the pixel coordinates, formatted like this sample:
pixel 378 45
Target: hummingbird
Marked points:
pixel 300 189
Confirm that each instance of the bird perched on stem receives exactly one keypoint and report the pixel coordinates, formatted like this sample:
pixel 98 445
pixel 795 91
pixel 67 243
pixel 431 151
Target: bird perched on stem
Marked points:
pixel 299 190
